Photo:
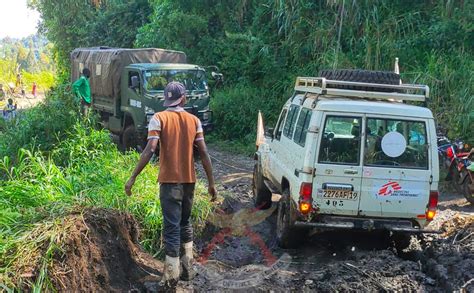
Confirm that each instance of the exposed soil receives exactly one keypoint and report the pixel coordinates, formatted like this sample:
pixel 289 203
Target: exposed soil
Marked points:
pixel 102 255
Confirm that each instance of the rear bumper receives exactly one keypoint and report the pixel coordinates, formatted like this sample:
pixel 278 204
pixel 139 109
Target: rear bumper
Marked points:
pixel 368 224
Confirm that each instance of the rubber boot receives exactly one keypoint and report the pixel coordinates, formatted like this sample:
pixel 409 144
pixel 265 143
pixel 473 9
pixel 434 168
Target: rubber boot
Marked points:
pixel 187 272
pixel 170 272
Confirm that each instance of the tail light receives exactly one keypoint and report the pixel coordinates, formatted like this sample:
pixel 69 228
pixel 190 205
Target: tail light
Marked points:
pixel 306 199
pixel 432 205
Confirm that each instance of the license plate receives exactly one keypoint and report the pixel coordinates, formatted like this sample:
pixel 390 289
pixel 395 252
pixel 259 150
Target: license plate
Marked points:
pixel 339 194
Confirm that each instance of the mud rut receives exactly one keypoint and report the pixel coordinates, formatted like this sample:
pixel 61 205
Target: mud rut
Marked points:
pixel 329 261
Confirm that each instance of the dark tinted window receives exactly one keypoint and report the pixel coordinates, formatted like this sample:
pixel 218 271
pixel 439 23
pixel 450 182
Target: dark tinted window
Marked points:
pixel 340 143
pixel 302 126
pixel 290 121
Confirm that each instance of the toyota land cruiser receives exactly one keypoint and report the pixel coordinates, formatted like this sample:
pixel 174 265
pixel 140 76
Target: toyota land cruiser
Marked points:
pixel 350 152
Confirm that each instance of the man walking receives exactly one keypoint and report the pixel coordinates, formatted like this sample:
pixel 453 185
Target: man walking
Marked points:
pixel 82 89
pixel 177 131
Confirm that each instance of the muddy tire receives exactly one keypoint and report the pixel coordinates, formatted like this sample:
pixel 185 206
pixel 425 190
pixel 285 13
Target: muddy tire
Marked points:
pixel 468 190
pixel 288 236
pixel 262 195
pixel 401 241
pixel 367 76
pixel 129 138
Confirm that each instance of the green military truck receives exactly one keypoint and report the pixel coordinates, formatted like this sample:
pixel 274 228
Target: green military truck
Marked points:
pixel 127 87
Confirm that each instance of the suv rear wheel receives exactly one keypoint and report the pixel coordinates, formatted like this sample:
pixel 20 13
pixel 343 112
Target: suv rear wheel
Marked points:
pixel 263 196
pixel 288 236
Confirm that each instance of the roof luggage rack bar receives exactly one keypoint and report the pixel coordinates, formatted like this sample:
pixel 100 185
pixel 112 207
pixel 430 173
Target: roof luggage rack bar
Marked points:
pixel 403 92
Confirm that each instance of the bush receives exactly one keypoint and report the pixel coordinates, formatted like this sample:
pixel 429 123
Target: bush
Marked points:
pixel 42 126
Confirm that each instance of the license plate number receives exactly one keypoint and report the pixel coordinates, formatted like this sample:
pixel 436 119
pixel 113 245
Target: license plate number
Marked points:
pixel 339 194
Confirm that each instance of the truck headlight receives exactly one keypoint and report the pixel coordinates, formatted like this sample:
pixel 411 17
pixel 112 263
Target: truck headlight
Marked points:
pixel 206 116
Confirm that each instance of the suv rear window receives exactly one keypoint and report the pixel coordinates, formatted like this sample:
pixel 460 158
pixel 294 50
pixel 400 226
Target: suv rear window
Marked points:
pixel 340 143
pixel 397 143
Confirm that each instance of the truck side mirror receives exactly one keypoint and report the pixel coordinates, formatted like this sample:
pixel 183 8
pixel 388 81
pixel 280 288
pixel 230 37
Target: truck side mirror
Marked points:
pixel 135 82
pixel 217 76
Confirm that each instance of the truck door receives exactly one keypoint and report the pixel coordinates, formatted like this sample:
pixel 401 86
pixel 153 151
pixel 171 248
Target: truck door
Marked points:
pixel 396 173
pixel 338 167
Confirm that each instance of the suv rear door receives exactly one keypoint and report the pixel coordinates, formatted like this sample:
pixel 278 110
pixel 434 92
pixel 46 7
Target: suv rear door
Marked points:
pixel 338 167
pixel 396 171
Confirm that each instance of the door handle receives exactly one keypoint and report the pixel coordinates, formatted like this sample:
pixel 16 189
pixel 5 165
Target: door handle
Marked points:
pixel 350 171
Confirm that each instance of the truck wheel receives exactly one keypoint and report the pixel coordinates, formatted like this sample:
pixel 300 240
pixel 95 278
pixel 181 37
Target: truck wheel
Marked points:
pixel 129 138
pixel 368 76
pixel 468 190
pixel 288 236
pixel 262 195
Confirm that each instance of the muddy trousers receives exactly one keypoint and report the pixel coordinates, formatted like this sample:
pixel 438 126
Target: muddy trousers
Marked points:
pixel 176 204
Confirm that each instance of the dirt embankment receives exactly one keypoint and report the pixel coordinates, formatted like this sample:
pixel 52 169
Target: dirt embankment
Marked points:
pixel 101 254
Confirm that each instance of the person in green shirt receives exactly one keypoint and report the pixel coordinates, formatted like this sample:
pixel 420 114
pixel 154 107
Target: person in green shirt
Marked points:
pixel 81 88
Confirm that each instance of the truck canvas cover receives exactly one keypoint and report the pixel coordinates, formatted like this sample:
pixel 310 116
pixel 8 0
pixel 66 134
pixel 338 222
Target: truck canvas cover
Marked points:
pixel 106 65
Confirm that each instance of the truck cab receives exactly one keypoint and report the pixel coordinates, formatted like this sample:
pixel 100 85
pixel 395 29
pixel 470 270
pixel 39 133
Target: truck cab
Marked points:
pixel 143 85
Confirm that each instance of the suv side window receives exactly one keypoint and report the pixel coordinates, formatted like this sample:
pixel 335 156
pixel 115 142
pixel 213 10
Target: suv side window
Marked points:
pixel 290 121
pixel 302 126
pixel 279 127
pixel 340 143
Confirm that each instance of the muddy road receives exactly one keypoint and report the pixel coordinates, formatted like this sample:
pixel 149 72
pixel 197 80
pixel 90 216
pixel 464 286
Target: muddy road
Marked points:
pixel 250 260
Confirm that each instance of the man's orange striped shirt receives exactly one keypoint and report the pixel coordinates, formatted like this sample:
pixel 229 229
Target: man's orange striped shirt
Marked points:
pixel 177 131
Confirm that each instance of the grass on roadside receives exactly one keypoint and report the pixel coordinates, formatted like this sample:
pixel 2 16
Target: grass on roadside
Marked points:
pixel 70 167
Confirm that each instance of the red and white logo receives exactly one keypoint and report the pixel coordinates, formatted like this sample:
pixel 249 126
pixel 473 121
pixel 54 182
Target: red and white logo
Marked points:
pixel 389 188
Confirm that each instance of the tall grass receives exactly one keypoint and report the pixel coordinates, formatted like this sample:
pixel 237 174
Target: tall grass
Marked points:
pixel 71 169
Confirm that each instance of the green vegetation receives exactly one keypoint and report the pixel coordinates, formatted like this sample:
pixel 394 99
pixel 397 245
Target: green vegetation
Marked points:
pixel 261 46
pixel 83 23
pixel 60 168
pixel 29 56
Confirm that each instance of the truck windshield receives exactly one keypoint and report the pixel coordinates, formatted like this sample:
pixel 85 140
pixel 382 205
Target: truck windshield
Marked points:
pixel 193 80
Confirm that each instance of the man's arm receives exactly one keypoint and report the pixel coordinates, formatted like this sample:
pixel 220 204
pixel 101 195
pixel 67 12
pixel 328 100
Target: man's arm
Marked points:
pixel 77 84
pixel 144 159
pixel 206 163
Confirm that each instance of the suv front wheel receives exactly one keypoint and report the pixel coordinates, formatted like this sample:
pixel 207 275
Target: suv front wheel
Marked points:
pixel 288 236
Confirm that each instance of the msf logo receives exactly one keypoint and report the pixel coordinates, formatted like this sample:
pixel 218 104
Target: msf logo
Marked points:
pixel 389 188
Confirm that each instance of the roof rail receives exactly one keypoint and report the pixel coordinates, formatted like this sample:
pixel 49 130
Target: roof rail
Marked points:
pixel 402 92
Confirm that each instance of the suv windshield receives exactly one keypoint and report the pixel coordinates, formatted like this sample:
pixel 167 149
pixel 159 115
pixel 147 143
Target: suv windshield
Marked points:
pixel 193 80
pixel 397 143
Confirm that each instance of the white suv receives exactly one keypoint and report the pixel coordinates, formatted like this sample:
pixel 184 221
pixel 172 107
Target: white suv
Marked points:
pixel 349 152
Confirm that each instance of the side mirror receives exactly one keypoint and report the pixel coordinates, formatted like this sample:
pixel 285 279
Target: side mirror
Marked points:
pixel 217 76
pixel 269 132
pixel 135 82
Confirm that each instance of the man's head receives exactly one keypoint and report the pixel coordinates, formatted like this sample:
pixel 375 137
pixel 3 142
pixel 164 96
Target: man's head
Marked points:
pixel 175 94
pixel 86 72
pixel 10 101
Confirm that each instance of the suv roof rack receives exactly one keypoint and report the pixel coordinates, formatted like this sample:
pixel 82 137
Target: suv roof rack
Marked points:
pixel 402 92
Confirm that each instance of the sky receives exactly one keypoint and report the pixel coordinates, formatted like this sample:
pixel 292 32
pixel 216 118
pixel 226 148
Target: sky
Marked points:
pixel 16 20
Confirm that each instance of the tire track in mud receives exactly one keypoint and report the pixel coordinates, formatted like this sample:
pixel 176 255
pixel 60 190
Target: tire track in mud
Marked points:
pixel 331 260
